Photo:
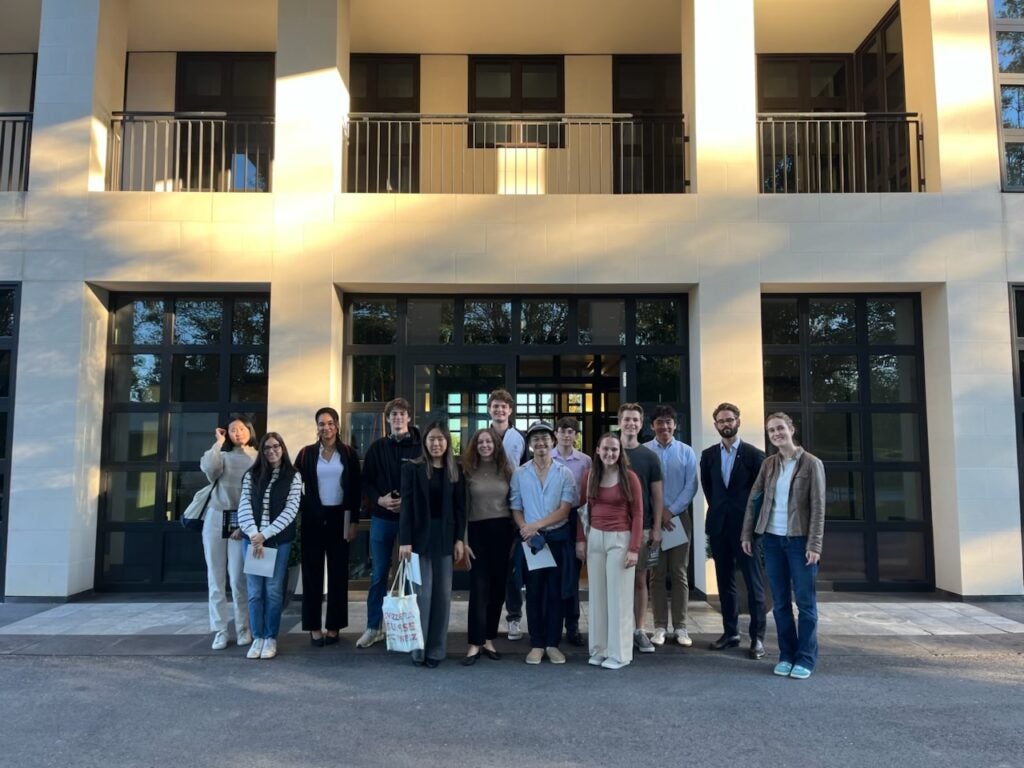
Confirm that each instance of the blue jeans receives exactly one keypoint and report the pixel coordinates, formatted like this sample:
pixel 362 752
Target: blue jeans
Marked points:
pixel 266 595
pixel 382 543
pixel 790 577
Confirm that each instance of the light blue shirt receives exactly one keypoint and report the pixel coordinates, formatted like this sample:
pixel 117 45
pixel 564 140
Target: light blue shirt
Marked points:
pixel 779 521
pixel 537 501
pixel 728 459
pixel 514 445
pixel 678 473
pixel 578 462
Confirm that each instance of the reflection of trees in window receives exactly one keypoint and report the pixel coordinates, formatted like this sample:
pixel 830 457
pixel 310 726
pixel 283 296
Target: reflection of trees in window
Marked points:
pixel 890 322
pixel 197 321
pixel 7 312
pixel 656 322
pixel 248 377
pixel 374 322
pixel 373 378
pixel 833 321
pixel 251 319
pixel 1010 50
pixel 834 378
pixel 657 378
pixel 488 322
pixel 144 385
pixel 1015 164
pixel 1009 9
pixel 545 322
pixel 140 322
pixel 893 379
pixel 780 321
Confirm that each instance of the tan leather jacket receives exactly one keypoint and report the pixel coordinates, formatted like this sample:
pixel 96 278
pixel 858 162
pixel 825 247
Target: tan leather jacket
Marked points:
pixel 806 506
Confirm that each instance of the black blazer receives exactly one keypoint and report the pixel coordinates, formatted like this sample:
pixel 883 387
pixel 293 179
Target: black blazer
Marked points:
pixel 351 481
pixel 727 504
pixel 414 518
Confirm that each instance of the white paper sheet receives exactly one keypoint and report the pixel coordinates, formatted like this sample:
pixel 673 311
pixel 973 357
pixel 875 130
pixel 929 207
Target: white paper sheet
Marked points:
pixel 543 559
pixel 414 570
pixel 676 537
pixel 263 566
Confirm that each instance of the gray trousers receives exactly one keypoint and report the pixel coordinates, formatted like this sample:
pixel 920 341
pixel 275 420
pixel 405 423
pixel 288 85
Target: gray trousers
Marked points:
pixel 434 598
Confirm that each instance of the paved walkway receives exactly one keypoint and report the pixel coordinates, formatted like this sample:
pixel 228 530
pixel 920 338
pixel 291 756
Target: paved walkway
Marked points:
pixel 175 626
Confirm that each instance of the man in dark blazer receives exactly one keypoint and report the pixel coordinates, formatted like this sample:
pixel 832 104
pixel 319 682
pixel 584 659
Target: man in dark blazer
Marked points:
pixel 727 472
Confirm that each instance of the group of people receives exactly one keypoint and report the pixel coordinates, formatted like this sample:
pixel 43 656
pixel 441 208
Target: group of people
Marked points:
pixel 523 510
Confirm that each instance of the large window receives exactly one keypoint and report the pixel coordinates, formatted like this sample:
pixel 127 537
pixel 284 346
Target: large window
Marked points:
pixel 384 153
pixel 849 370
pixel 177 366
pixel 516 85
pixel 10 296
pixel 1009 55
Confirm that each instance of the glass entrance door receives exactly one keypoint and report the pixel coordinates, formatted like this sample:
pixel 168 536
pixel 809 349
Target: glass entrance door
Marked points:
pixel 455 392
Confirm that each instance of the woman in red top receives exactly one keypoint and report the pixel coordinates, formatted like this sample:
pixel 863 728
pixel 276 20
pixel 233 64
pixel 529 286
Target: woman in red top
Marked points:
pixel 611 542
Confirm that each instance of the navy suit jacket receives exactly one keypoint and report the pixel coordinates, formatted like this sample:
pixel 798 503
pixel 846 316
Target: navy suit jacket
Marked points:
pixel 728 504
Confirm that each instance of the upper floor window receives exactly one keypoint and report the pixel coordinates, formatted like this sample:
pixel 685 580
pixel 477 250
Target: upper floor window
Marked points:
pixel 235 83
pixel 802 83
pixel 385 83
pixel 516 85
pixel 1009 43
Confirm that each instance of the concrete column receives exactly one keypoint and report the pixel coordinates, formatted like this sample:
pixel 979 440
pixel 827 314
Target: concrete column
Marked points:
pixel 974 483
pixel 949 74
pixel 312 96
pixel 720 95
pixel 79 83
pixel 58 420
pixel 305 347
pixel 725 355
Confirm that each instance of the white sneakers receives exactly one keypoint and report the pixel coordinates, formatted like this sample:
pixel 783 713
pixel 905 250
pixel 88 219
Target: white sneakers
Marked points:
pixel 255 649
pixel 370 636
pixel 683 638
pixel 220 641
pixel 555 656
pixel 269 648
pixel 515 631
pixel 658 638
pixel 244 637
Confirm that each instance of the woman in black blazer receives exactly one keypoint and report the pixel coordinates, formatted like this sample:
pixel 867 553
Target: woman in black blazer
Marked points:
pixel 432 523
pixel 331 494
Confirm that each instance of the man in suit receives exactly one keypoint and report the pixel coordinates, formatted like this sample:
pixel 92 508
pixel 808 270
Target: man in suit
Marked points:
pixel 727 473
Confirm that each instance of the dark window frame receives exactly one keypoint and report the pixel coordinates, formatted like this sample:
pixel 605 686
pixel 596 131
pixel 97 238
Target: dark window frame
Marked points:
pixel 516 104
pixel 226 102
pixel 864 408
pixel 1017 300
pixel 804 101
pixel 158 529
pixel 8 343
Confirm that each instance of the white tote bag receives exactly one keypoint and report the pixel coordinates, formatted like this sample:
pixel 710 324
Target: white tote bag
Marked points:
pixel 402 614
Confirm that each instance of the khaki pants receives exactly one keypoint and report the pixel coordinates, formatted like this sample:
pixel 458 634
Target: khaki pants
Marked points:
pixel 672 564
pixel 611 595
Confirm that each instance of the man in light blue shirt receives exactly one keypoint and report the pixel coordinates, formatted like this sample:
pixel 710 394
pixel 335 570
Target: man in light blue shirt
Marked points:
pixel 679 475
pixel 578 463
pixel 542 493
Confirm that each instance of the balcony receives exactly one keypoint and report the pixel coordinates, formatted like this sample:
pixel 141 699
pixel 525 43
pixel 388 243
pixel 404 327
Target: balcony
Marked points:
pixel 833 152
pixel 190 152
pixel 502 154
pixel 15 141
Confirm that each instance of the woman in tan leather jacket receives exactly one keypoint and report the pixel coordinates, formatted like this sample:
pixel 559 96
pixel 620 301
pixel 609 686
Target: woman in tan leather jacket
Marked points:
pixel 786 511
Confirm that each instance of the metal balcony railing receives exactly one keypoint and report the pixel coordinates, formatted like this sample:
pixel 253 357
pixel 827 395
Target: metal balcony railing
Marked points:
pixel 515 154
pixel 840 152
pixel 15 142
pixel 190 152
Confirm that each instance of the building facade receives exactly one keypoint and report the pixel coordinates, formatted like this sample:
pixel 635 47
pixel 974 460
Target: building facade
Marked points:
pixel 265 206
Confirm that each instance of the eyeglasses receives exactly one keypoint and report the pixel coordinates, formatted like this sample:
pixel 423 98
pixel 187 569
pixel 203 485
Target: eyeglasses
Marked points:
pixel 271 447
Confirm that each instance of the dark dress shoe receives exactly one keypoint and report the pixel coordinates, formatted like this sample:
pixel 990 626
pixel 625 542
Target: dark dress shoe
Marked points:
pixel 493 655
pixel 331 639
pixel 725 641
pixel 756 649
pixel 575 638
pixel 469 661
pixel 318 642
pixel 431 663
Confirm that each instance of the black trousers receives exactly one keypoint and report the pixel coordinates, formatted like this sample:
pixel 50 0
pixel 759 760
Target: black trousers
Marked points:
pixel 490 541
pixel 726 551
pixel 324 535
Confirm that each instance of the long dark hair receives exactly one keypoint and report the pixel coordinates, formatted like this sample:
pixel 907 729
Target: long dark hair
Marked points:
pixel 597 470
pixel 448 459
pixel 471 455
pixel 261 470
pixel 227 445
